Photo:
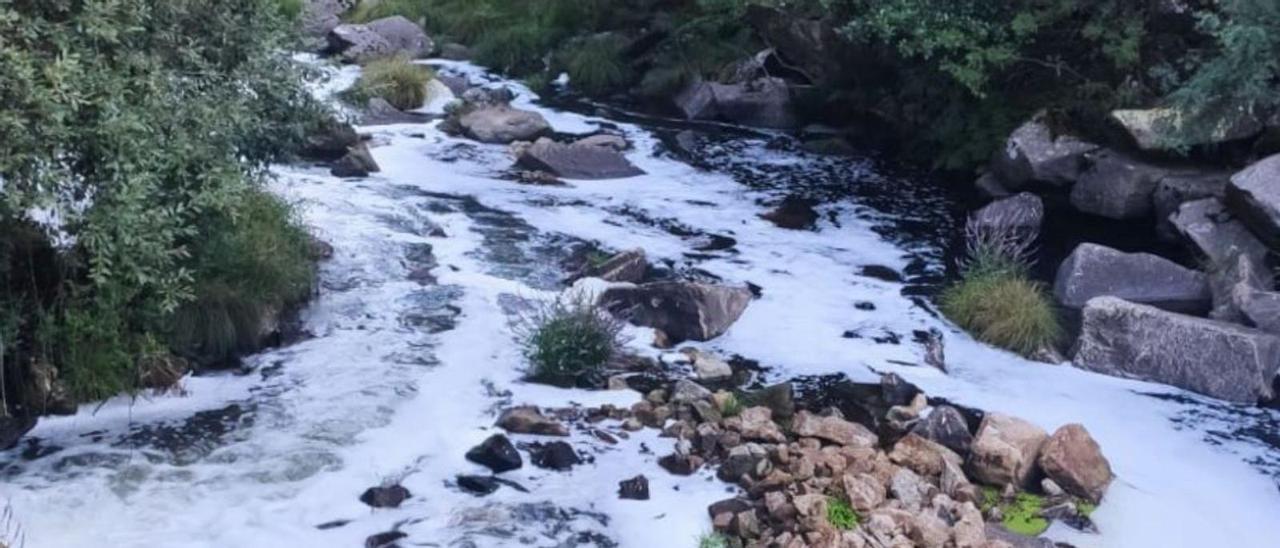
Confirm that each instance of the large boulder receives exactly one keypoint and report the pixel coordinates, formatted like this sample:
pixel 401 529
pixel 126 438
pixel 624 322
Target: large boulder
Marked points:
pixel 765 102
pixel 1254 196
pixel 501 124
pixel 319 17
pixel 696 101
pixel 1116 186
pixel 1073 460
pixel 1214 358
pixel 1005 450
pixel 1163 128
pixel 1216 234
pixel 946 425
pixel 1093 270
pixel 329 139
pixel 682 310
pixel 1180 188
pixel 833 429
pixel 528 419
pixel 1034 153
pixel 1022 213
pixel 358 162
pixel 361 43
pixel 576 161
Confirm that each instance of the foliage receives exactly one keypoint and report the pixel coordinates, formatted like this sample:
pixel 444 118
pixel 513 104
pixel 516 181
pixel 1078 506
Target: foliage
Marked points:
pixel 712 540
pixel 397 80
pixel 1085 507
pixel 290 9
pixel 568 339
pixel 595 64
pixel 732 406
pixel 1022 515
pixel 134 122
pixel 840 514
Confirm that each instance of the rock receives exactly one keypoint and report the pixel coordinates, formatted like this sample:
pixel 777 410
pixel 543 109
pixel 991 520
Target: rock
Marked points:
pixel 793 213
pixel 1022 213
pixel 384 540
pixel 687 392
pixel 477 485
pixel 765 102
pixel 1215 234
pixel 378 112
pixel 697 101
pixel 779 398
pixel 13 428
pixel 748 459
pixel 996 533
pixel 497 453
pixel 895 390
pixel 529 420
pixel 1116 186
pixel 1073 460
pixel 454 51
pixel 501 124
pixel 680 465
pixel 576 162
pixel 625 267
pixel 1005 450
pixel 730 506
pixel 682 310
pixel 969 530
pixel 556 455
pixel 707 367
pixel 756 424
pixel 386 496
pixel 1093 270
pixel 1260 309
pixel 361 43
pixel 46 393
pixel 608 141
pixel 318 17
pixel 922 456
pixel 930 531
pixel 482 97
pixel 864 491
pixel 1177 189
pixel 358 162
pixel 1214 358
pixel 1161 128
pixel 1050 487
pixel 946 425
pixel 833 429
pixel 1033 153
pixel 1253 195
pixel 954 483
pixel 330 140
pixel 909 489
pixel 990 187
pixel 636 488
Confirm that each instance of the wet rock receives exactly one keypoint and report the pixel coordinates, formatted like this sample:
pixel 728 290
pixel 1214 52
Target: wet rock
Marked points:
pixel 501 124
pixel 764 102
pixel 384 540
pixel 707 367
pixel 608 141
pixel 1214 358
pixel 833 429
pixel 1162 128
pixel 1254 196
pixel 687 392
pixel 1093 270
pixel 46 393
pixel 1177 189
pixel 478 485
pixel 1034 153
pixel 361 43
pixel 378 112
pixel 935 352
pixel 636 488
pixel 1005 450
pixel 1215 233
pixel 1116 186
pixel 1022 213
pixel 318 249
pixel 997 533
pixel 329 140
pixel 894 390
pixel 864 491
pixel 696 101
pixel 1073 460
pixel 386 496
pixel 794 213
pixel 556 455
pixel 680 465
pixel 946 425
pixel 454 51
pixel 990 187
pixel 497 453
pixel 756 424
pixel 576 162
pixel 922 456
pixel 626 267
pixel 779 398
pixel 530 420
pixel 13 428
pixel 682 310
pixel 357 162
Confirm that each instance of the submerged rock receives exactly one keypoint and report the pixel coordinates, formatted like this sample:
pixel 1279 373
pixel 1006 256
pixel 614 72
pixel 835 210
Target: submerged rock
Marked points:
pixel 1073 460
pixel 497 453
pixel 361 43
pixel 794 213
pixel 576 161
pixel 329 140
pixel 478 485
pixel 384 540
pixel 1214 358
pixel 1093 270
pixel 682 310
pixel 358 162
pixel 636 488
pixel 385 496
pixel 557 455
pixel 1254 196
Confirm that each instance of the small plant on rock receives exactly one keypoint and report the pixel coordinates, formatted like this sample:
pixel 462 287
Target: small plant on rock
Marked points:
pixel 569 340
pixel 1022 515
pixel 397 80
pixel 712 540
pixel 732 406
pixel 841 514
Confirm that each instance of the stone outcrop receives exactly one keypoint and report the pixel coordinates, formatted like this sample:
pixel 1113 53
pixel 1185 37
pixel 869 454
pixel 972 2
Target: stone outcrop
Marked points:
pixel 1253 195
pixel 357 162
pixel 1162 128
pixel 1093 270
pixel 1005 450
pixel 681 310
pixel 762 102
pixel 1216 234
pixel 1116 186
pixel 576 161
pixel 1177 189
pixel 1214 358
pixel 1034 153
pixel 502 124
pixel 1073 460
pixel 361 43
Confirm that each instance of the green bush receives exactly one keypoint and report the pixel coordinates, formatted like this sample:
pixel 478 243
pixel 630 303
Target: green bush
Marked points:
pixel 290 9
pixel 569 339
pixel 595 64
pixel 840 514
pixel 397 80
pixel 1005 310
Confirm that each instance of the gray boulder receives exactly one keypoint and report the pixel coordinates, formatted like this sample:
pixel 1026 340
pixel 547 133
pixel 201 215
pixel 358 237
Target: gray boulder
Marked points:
pixel 1033 153
pixel 765 102
pixel 1022 213
pixel 696 101
pixel 1093 271
pixel 1177 189
pixel 319 17
pixel 378 112
pixel 1236 283
pixel 361 43
pixel 502 124
pixel 1215 233
pixel 576 161
pixel 1254 196
pixel 330 139
pixel 682 310
pixel 358 162
pixel 1214 358
pixel 625 267
pixel 1260 309
pixel 1162 128
pixel 1116 186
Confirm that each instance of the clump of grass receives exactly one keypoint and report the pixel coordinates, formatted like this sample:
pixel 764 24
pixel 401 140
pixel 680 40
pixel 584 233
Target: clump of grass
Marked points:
pixel 1022 515
pixel 289 9
pixel 731 407
pixel 1085 507
pixel 712 540
pixel 569 339
pixel 397 80
pixel 595 64
pixel 840 514
pixel 994 299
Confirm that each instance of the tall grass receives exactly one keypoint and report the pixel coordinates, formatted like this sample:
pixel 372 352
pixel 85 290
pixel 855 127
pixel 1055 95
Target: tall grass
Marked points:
pixel 396 79
pixel 595 64
pixel 569 339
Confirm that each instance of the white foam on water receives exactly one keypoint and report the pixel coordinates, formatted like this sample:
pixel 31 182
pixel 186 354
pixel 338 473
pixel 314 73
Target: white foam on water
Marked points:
pixel 374 396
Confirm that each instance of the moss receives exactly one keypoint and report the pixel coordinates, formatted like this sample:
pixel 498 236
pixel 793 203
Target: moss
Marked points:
pixel 397 80
pixel 1022 515
pixel 1085 508
pixel 1003 309
pixel 840 514
pixel 990 499
pixel 712 540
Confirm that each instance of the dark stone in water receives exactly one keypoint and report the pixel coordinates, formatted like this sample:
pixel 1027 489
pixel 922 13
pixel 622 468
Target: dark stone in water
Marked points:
pixel 556 455
pixel 733 506
pixel 384 540
pixel 756 291
pixel 497 453
pixel 794 213
pixel 386 496
pixel 865 305
pixel 897 391
pixel 478 485
pixel 13 428
pixel 636 488
pixel 947 426
pixel 333 524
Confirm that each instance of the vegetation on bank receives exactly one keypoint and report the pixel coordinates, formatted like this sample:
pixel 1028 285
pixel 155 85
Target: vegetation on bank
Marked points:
pixel 953 77
pixel 397 80
pixel 569 340
pixel 133 220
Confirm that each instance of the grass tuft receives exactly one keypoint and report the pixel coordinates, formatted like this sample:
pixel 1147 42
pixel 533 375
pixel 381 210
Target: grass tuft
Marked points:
pixel 569 339
pixel 595 64
pixel 289 9
pixel 397 80
pixel 841 514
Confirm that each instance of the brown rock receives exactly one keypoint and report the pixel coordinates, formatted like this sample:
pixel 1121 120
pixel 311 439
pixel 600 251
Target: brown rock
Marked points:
pixel 922 456
pixel 969 531
pixel 1005 450
pixel 1073 460
pixel 930 531
pixel 756 424
pixel 833 429
pixel 863 491
pixel 529 420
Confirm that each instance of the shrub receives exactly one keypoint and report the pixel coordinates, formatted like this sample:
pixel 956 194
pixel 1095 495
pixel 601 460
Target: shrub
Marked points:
pixel 732 406
pixel 840 514
pixel 290 9
pixel 569 339
pixel 595 65
pixel 713 540
pixel 397 80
